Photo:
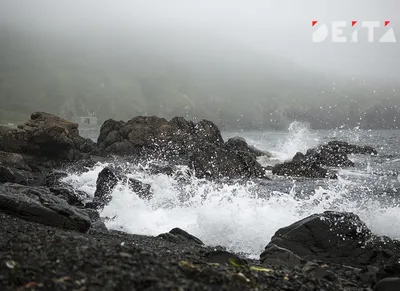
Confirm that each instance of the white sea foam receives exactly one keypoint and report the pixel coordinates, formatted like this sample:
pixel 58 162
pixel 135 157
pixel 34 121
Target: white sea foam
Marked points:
pixel 298 139
pixel 236 215
pixel 228 215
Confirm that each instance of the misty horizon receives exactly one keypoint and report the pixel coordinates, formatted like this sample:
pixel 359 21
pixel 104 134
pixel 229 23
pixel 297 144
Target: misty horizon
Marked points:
pixel 242 64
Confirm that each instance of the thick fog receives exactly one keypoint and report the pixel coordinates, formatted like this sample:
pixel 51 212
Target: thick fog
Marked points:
pixel 243 64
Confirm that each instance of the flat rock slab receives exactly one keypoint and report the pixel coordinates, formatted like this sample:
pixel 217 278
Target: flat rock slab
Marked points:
pixel 39 204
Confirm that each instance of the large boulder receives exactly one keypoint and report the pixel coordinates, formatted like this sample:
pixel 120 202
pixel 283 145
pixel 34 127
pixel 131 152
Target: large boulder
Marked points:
pixel 335 237
pixel 210 161
pixel 45 135
pixel 155 135
pixel 39 204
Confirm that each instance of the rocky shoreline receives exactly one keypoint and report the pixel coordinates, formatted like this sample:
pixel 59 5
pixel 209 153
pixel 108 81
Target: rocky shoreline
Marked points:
pixel 53 239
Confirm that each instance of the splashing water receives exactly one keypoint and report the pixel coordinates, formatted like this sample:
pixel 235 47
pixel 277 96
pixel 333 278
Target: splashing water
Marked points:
pixel 243 216
pixel 298 139
pixel 234 215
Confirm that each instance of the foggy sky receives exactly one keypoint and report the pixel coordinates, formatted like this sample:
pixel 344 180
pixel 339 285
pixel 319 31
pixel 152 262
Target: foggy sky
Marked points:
pixel 280 27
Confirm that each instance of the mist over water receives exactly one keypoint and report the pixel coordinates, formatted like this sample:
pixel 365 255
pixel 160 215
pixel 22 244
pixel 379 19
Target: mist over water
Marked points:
pixel 242 64
pixel 244 215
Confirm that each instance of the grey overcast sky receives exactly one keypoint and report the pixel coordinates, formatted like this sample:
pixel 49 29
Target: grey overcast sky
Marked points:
pixel 273 26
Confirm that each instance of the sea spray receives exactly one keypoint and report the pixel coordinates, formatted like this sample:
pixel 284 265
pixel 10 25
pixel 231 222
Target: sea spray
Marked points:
pixel 231 214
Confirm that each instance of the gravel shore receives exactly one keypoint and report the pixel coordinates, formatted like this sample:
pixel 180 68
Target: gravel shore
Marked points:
pixel 39 257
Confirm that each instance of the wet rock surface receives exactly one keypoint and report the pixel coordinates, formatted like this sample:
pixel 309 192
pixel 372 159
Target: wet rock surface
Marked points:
pixel 240 144
pixel 314 163
pixel 335 237
pixel 108 179
pixel 209 161
pixel 306 169
pixel 38 204
pixel 199 145
pixel 155 135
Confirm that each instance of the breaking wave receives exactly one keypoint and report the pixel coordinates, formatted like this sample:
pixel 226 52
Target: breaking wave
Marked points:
pixel 242 215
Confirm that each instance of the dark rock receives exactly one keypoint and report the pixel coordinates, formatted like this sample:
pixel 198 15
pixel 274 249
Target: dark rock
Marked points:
pixel 105 183
pixel 388 284
pixel 54 179
pixel 13 160
pixel 335 153
pixel 302 169
pixel 15 169
pixel 347 148
pixel 38 204
pixel 94 205
pixel 225 258
pixel 311 165
pixel 107 180
pixel 299 157
pixel 141 189
pixel 156 136
pixel 177 235
pixel 388 270
pixel 46 135
pixel 98 227
pixel 280 256
pixel 336 237
pixel 8 175
pixel 73 197
pixel 210 161
pixel 159 169
pixel 328 156
pixel 319 272
pixel 368 275
pixel 240 144
pixel 12 175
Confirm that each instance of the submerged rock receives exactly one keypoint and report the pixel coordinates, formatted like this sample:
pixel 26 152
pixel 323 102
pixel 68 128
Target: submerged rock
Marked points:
pixel 347 148
pixel 302 169
pixel 334 153
pixel 105 184
pixel 240 144
pixel 326 155
pixel 335 237
pixel 313 163
pixel 109 178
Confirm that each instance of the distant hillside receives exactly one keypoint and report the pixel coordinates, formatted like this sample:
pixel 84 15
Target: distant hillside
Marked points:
pixel 123 74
